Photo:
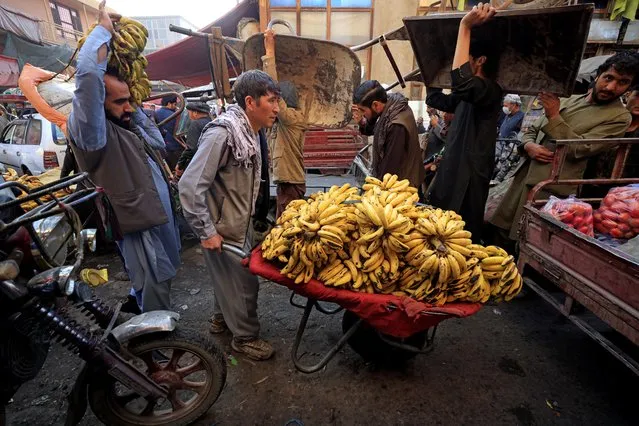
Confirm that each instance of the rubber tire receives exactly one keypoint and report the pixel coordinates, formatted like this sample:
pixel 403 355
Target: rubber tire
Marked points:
pixel 101 384
pixel 367 343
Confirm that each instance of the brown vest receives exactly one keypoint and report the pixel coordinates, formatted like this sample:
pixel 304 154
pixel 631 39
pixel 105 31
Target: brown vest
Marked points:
pixel 121 168
pixel 412 166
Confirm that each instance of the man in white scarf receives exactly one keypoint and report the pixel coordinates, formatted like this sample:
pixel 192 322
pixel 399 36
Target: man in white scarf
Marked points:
pixel 218 191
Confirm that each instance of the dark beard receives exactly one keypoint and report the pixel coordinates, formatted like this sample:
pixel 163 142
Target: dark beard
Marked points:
pixel 374 118
pixel 125 124
pixel 598 101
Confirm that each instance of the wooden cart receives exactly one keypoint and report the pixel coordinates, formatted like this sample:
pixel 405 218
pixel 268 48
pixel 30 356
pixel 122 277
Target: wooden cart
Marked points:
pixel 597 276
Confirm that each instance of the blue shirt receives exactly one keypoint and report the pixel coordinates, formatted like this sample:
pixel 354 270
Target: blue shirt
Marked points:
pixel 152 254
pixel 167 129
pixel 511 125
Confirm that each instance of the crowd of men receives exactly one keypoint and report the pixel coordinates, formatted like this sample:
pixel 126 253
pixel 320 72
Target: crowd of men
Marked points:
pixel 224 173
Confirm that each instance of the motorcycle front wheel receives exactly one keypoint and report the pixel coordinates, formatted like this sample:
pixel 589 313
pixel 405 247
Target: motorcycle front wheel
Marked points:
pixel 187 364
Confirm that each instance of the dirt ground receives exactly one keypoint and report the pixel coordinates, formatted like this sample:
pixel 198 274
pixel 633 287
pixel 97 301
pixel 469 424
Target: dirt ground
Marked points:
pixel 510 364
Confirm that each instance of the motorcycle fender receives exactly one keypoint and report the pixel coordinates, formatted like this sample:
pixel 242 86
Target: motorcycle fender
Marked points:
pixel 146 323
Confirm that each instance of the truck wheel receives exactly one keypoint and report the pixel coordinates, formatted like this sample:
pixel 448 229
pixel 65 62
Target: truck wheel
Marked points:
pixel 189 365
pixel 367 343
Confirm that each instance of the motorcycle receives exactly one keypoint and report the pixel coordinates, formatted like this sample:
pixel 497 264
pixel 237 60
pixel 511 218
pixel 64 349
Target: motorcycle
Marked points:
pixel 144 370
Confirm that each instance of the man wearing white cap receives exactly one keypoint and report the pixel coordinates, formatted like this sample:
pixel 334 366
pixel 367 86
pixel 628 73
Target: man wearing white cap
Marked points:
pixel 513 117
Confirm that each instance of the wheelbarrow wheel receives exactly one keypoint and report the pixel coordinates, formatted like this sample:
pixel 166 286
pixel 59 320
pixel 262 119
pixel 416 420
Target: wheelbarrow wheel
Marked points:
pixel 367 343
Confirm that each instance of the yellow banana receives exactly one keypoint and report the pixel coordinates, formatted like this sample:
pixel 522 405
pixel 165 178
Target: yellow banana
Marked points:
pixel 496 251
pixel 426 226
pixel 343 279
pixel 388 183
pixel 373 181
pixel 492 275
pixel 460 234
pixel 459 241
pixel 399 186
pixel 460 259
pixel 508 260
pixel 397 245
pixel 429 265
pixel 493 260
pixel 335 230
pixel 493 268
pixel 371 235
pixel 455 270
pixel 444 270
pixel 464 251
pixel 310 226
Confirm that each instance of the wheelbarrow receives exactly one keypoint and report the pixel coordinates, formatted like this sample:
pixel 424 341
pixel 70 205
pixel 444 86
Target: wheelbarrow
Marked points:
pixel 324 73
pixel 539 49
pixel 384 329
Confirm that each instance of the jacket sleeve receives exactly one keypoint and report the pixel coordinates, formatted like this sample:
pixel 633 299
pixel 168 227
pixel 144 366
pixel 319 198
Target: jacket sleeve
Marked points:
pixel 185 158
pixel 87 121
pixel 149 129
pixel 198 178
pixel 557 128
pixel 441 101
pixel 394 150
pixel 530 136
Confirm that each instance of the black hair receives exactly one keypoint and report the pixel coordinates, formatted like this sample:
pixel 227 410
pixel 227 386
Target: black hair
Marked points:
pixel 626 63
pixel 253 83
pixel 169 100
pixel 483 46
pixel 289 94
pixel 369 92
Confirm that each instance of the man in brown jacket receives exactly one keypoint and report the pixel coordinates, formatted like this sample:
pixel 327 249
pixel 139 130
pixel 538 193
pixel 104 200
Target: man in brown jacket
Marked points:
pixel 595 115
pixel 286 139
pixel 396 142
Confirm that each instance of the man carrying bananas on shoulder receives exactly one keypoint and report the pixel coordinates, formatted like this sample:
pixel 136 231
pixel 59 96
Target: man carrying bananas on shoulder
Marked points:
pixel 114 142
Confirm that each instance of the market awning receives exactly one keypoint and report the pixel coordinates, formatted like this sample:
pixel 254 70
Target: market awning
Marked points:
pixel 187 61
pixel 9 72
pixel 53 58
pixel 20 24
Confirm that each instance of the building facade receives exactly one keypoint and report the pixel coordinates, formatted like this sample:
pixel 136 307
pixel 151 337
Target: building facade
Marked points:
pixel 159 34
pixel 59 21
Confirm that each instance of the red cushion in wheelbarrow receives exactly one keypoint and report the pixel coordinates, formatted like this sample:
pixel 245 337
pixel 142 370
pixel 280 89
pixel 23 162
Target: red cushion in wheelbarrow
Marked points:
pixel 397 316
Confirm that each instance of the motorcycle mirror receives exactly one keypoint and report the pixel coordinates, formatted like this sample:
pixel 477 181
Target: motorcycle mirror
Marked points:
pixel 47 281
pixel 89 237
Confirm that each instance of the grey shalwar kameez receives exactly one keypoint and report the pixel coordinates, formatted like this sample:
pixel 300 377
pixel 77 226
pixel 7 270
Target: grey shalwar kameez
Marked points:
pixel 217 195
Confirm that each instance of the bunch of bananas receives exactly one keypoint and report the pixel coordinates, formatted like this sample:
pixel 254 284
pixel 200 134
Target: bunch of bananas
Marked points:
pixel 501 271
pixel 125 56
pixel 31 182
pixel 380 241
pixel 313 234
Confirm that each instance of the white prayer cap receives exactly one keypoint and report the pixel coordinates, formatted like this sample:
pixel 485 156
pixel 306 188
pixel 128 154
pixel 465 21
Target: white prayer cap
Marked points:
pixel 513 99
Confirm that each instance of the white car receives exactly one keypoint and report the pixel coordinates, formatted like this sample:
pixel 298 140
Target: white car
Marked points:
pixel 32 145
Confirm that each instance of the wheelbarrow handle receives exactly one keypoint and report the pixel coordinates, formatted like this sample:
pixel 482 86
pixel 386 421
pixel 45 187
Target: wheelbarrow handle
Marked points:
pixel 186 31
pixel 281 22
pixel 235 250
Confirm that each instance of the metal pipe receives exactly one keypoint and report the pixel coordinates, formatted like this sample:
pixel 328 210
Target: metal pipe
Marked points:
pixel 235 250
pixel 177 112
